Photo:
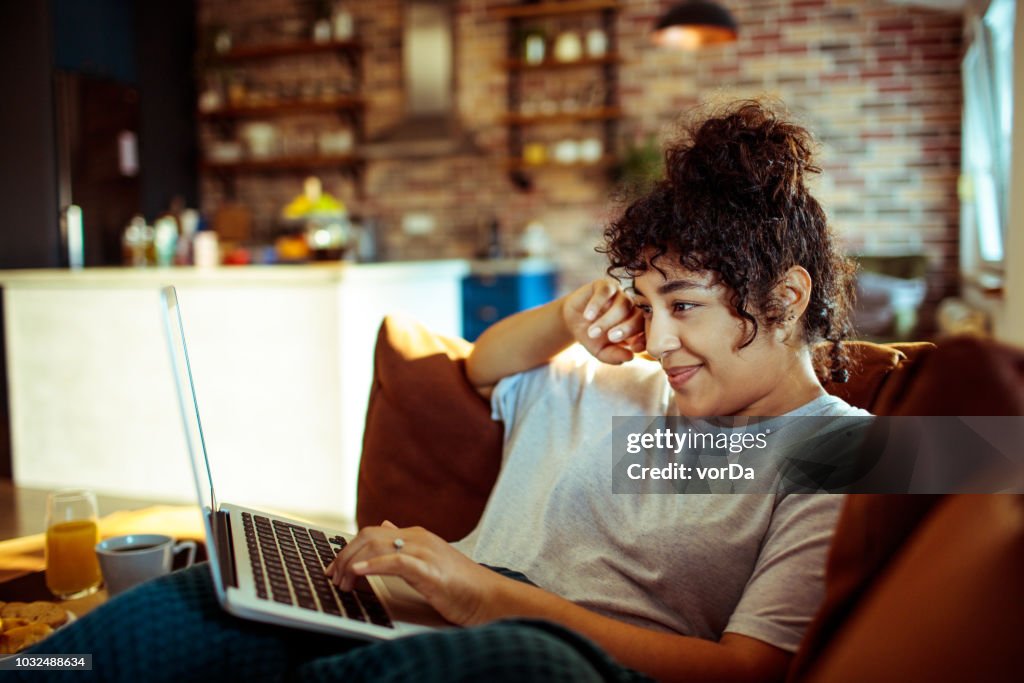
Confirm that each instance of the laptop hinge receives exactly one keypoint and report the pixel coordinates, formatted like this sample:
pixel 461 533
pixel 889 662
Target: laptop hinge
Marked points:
pixel 221 525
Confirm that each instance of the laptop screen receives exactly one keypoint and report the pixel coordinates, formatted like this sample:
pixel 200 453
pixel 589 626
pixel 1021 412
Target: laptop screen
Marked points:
pixel 194 442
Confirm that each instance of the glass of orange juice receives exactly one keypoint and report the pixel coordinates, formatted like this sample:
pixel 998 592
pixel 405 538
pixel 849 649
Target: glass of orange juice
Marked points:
pixel 72 570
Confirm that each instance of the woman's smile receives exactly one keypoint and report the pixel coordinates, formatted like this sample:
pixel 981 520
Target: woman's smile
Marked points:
pixel 679 375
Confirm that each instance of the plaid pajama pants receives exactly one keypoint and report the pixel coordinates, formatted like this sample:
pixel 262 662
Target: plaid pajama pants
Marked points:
pixel 172 629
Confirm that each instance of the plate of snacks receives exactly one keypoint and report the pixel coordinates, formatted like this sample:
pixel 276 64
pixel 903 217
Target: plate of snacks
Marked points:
pixel 23 624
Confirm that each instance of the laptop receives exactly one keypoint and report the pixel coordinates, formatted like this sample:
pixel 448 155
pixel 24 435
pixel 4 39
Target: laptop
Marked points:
pixel 269 568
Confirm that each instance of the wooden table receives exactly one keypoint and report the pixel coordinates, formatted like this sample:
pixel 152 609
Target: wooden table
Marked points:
pixel 22 556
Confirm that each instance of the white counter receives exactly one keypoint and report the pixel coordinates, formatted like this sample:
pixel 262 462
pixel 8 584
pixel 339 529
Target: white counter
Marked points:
pixel 282 358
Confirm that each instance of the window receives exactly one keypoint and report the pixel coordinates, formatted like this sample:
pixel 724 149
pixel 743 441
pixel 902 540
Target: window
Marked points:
pixel 987 71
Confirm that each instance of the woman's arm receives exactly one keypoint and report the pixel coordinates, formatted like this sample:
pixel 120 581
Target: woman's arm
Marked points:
pixel 468 594
pixel 664 656
pixel 598 315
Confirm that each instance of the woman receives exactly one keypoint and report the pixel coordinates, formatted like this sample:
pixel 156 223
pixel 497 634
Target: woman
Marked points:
pixel 734 274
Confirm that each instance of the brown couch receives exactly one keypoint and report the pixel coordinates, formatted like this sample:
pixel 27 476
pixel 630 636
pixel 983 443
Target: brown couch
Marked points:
pixel 918 587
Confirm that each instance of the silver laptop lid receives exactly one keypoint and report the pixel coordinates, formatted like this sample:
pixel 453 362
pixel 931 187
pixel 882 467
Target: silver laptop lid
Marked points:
pixel 194 441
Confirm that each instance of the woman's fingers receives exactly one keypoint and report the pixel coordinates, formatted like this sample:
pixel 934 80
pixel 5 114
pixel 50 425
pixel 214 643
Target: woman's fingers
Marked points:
pixel 343 574
pixel 622 340
pixel 614 355
pixel 372 543
pixel 416 571
pixel 619 321
pixel 602 295
pixel 370 536
pixel 637 343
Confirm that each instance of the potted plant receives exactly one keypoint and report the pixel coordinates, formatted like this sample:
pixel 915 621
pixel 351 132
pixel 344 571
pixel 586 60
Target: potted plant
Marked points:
pixel 640 165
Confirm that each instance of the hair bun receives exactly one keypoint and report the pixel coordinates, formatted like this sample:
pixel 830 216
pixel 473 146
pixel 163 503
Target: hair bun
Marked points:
pixel 748 152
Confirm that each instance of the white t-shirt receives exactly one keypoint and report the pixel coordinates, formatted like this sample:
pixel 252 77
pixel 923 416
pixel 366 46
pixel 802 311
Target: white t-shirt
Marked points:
pixel 698 564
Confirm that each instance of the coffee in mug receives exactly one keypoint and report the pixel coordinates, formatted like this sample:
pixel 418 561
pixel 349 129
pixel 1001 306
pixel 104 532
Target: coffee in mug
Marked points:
pixel 129 560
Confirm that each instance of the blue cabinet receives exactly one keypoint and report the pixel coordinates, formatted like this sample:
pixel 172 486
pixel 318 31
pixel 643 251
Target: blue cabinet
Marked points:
pixel 489 297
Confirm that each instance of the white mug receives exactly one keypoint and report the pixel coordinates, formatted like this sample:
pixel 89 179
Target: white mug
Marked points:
pixel 129 560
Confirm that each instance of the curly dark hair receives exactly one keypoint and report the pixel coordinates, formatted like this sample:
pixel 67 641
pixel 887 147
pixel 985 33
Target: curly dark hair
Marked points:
pixel 734 203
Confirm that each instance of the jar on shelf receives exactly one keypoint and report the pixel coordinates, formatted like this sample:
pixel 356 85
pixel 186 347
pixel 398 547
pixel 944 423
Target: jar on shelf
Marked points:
pixel 322 31
pixel 222 41
pixel 597 43
pixel 591 150
pixel 336 142
pixel 534 153
pixel 566 151
pixel 568 47
pixel 343 25
pixel 237 90
pixel 534 47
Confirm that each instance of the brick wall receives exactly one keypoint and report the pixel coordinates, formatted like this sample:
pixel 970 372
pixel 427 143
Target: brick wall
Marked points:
pixel 879 83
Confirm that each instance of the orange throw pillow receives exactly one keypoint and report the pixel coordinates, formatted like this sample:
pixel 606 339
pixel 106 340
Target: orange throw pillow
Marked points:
pixel 431 452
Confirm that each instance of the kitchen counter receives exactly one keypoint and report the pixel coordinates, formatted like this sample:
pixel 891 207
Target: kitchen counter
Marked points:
pixel 282 358
pixel 512 266
pixel 257 275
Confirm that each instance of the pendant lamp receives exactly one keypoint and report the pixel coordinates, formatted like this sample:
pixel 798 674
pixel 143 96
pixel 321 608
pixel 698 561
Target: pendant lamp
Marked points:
pixel 693 24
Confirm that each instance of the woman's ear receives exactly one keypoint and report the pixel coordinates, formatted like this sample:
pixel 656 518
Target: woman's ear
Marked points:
pixel 794 291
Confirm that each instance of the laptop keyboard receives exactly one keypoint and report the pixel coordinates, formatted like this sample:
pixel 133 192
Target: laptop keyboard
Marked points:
pixel 288 562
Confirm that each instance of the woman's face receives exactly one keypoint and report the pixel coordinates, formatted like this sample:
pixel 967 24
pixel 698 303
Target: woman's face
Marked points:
pixel 693 330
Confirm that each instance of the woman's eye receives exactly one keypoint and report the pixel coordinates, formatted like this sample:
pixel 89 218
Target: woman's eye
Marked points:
pixel 644 309
pixel 682 306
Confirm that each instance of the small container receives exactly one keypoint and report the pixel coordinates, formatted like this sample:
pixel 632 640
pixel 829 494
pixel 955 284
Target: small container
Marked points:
pixel 597 43
pixel 222 41
pixel 206 250
pixel 211 99
pixel 566 152
pixel 165 240
pixel 344 26
pixel 328 238
pixel 237 92
pixel 534 153
pixel 535 241
pixel 568 47
pixel 261 139
pixel 322 31
pixel 591 150
pixel 225 151
pixel 336 141
pixel 534 48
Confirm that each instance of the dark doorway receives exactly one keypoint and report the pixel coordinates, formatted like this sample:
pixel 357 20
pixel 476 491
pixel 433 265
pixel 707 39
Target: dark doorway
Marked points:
pixel 97 141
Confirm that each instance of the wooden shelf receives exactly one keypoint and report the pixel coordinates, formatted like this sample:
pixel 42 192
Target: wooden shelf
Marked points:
pixel 602 114
pixel 306 47
pixel 284 163
pixel 553 9
pixel 287 108
pixel 604 162
pixel 516 18
pixel 550 64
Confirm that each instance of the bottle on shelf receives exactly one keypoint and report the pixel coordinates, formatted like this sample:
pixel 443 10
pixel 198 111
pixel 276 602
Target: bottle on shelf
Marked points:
pixel 343 24
pixel 165 240
pixel 137 243
pixel 189 227
pixel 206 249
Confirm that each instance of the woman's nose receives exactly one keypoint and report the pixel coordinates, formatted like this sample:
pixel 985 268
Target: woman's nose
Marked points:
pixel 661 338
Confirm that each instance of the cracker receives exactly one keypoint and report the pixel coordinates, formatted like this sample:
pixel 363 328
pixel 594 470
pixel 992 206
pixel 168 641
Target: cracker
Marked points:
pixel 40 611
pixel 8 608
pixel 13 622
pixel 22 637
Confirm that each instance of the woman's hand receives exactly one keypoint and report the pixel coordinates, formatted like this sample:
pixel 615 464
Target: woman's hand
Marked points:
pixel 604 320
pixel 452 583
